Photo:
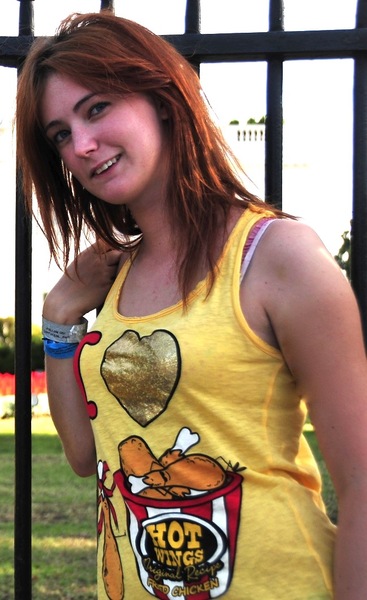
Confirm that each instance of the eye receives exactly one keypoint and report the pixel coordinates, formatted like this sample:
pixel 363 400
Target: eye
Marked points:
pixel 97 108
pixel 60 136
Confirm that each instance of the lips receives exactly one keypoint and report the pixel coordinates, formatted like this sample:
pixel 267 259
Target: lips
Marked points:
pixel 106 165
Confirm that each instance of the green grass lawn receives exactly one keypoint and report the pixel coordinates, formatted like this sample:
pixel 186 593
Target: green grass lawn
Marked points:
pixel 328 491
pixel 63 519
pixel 63 523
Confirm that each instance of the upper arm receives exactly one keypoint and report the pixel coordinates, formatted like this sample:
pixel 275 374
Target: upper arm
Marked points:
pixel 315 317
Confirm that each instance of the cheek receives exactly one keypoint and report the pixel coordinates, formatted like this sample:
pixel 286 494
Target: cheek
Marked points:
pixel 70 163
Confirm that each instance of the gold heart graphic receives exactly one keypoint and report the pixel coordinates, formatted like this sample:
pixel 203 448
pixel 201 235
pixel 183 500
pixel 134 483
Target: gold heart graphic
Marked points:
pixel 143 372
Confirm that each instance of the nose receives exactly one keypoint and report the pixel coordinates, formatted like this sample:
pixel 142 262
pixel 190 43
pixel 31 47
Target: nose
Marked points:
pixel 84 142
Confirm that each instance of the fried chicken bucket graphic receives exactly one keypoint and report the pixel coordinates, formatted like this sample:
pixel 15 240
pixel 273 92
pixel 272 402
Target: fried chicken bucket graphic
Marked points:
pixel 183 518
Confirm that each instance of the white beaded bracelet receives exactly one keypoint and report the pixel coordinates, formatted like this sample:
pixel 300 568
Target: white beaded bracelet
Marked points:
pixel 70 334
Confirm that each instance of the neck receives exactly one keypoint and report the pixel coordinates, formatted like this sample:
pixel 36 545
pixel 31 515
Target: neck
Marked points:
pixel 158 239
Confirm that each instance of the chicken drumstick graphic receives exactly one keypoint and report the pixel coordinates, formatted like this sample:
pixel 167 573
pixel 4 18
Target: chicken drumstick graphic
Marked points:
pixel 175 473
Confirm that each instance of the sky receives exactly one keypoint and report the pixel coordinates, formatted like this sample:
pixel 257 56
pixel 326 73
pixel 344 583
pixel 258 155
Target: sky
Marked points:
pixel 317 114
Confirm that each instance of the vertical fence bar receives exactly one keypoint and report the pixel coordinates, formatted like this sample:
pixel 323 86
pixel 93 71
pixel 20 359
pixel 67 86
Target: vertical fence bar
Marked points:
pixel 193 25
pixel 274 115
pixel 108 5
pixel 359 221
pixel 23 409
pixel 192 16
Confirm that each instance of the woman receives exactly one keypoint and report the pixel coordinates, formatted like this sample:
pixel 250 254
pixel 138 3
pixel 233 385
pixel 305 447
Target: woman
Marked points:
pixel 221 320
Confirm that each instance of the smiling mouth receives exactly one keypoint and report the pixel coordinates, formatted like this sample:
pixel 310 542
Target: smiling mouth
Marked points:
pixel 107 165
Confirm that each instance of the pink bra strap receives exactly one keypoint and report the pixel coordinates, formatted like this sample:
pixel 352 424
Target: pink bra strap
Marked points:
pixel 251 243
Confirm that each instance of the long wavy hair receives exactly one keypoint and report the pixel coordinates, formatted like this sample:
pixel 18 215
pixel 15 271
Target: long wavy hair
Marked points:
pixel 107 53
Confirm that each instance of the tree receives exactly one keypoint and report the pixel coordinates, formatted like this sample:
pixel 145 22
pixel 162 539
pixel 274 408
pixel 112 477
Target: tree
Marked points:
pixel 7 346
pixel 252 121
pixel 343 257
pixel 7 331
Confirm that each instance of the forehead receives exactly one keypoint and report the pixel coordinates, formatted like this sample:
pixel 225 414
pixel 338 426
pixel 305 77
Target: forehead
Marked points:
pixel 61 94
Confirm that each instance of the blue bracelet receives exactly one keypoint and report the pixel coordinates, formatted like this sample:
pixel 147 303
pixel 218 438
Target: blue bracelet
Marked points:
pixel 59 349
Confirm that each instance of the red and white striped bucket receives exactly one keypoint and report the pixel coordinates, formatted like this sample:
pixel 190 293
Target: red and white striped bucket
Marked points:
pixel 185 548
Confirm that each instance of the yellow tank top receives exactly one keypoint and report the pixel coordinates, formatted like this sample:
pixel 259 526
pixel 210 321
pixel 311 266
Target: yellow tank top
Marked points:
pixel 206 485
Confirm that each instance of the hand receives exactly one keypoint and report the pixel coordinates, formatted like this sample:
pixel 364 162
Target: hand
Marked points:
pixel 84 285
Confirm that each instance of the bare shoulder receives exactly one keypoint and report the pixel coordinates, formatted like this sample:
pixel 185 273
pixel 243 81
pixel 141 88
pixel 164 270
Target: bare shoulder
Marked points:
pixel 294 259
pixel 290 241
pixel 293 280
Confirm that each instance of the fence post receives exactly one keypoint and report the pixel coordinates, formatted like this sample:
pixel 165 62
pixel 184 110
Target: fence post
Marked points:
pixel 193 25
pixel 23 409
pixel 274 115
pixel 359 221
pixel 108 5
pixel 192 16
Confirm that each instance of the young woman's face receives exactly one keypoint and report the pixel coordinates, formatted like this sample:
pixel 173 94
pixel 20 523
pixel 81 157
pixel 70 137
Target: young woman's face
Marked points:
pixel 114 146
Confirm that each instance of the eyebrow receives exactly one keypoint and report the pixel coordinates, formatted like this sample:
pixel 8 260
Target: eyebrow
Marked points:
pixel 76 108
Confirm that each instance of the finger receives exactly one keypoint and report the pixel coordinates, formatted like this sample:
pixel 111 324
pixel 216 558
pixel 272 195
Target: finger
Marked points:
pixel 101 247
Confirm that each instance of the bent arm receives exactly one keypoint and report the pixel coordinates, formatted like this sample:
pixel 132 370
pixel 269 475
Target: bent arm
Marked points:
pixel 74 295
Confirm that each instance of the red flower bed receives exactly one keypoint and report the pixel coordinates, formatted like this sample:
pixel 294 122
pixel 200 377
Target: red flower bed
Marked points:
pixel 7 383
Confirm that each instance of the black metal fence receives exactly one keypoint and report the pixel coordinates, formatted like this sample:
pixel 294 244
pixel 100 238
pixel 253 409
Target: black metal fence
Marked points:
pixel 274 47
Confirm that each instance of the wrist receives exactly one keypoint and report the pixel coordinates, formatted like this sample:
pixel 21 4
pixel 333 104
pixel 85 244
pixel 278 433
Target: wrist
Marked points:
pixel 64 333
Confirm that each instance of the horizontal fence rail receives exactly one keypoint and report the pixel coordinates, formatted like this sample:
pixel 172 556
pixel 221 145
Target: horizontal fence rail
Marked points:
pixel 232 47
pixel 273 47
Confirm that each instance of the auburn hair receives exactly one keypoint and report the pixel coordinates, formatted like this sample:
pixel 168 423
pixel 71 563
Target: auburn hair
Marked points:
pixel 103 52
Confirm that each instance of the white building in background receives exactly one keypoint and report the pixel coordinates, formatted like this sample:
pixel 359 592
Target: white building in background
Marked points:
pixel 249 133
pixel 317 180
